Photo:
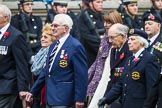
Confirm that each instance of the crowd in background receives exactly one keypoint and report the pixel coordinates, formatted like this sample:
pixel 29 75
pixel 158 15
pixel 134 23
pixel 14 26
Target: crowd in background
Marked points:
pixel 89 60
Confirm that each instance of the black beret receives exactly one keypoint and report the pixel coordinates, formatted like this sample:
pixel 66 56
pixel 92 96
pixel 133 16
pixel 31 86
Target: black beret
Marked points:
pixel 153 17
pixel 126 2
pixel 138 32
pixel 22 1
pixel 60 2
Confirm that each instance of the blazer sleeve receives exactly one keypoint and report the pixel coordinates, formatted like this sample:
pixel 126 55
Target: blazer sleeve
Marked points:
pixel 19 50
pixel 152 95
pixel 79 62
pixel 152 71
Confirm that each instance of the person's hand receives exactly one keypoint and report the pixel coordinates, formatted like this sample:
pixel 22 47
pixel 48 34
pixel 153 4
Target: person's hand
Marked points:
pixel 79 104
pixel 22 94
pixel 29 97
pixel 102 102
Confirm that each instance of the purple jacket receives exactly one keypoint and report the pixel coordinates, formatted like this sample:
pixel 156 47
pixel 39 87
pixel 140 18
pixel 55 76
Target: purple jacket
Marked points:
pixel 96 69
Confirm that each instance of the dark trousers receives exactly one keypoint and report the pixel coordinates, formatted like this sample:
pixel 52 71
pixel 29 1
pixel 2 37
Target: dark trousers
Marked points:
pixel 7 101
pixel 37 99
pixel 18 103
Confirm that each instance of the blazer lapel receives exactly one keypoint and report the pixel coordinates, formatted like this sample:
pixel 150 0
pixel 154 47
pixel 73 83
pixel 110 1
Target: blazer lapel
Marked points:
pixel 58 56
pixel 5 35
pixel 137 60
pixel 120 57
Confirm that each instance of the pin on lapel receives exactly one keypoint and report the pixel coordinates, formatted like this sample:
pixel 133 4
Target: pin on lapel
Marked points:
pixel 5 35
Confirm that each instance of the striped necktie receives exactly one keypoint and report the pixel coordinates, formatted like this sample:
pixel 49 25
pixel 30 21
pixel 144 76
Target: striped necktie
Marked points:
pixel 53 53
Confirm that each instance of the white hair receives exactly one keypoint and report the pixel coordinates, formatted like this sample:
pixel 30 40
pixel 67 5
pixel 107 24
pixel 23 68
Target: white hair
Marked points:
pixel 121 29
pixel 64 19
pixel 5 11
pixel 142 41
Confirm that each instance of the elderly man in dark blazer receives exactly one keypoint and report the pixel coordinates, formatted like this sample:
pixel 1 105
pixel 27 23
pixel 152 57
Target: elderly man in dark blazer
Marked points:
pixel 141 72
pixel 119 55
pixel 66 73
pixel 153 29
pixel 13 61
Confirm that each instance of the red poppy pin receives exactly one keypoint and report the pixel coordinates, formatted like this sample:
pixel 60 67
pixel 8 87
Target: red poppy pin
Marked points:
pixel 136 59
pixel 152 17
pixel 6 34
pixel 65 57
pixel 121 56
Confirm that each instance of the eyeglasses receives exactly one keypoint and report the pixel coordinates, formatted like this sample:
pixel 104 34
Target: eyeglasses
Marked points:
pixel 56 25
pixel 113 37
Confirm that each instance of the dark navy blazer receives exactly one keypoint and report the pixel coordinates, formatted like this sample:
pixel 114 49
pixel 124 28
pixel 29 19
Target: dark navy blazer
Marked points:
pixel 67 81
pixel 117 65
pixel 156 93
pixel 14 72
pixel 135 83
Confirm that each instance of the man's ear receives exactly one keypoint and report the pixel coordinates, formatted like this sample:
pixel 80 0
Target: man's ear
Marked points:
pixel 21 6
pixel 66 28
pixel 90 4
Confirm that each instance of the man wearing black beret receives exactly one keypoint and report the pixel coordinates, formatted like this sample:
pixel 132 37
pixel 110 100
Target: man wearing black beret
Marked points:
pixel 153 29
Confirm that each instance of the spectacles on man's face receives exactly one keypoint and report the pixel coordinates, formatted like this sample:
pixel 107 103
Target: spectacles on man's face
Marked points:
pixel 113 37
pixel 56 25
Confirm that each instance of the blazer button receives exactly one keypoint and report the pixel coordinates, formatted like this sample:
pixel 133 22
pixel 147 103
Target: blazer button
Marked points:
pixel 49 75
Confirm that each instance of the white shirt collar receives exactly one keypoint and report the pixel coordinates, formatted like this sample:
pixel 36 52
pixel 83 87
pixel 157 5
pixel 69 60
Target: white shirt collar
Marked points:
pixel 153 38
pixel 4 29
pixel 63 39
pixel 138 53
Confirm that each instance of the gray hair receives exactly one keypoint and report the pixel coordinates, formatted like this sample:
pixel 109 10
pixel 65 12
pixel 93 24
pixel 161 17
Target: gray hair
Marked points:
pixel 121 29
pixel 142 41
pixel 64 19
pixel 5 11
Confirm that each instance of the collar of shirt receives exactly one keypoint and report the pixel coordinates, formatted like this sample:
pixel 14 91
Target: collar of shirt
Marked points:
pixel 138 53
pixel 153 38
pixel 63 39
pixel 4 29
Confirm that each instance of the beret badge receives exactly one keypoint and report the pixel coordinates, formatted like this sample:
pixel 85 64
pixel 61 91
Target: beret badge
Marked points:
pixel 131 31
pixel 152 17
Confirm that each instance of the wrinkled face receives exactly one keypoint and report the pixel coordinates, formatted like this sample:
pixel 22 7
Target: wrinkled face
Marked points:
pixel 115 39
pixel 3 20
pixel 58 29
pixel 46 40
pixel 61 9
pixel 158 4
pixel 27 7
pixel 132 9
pixel 152 28
pixel 96 5
pixel 134 44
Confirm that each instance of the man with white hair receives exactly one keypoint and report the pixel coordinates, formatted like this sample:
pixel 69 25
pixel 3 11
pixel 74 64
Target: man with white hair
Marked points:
pixel 66 72
pixel 140 73
pixel 61 7
pixel 14 72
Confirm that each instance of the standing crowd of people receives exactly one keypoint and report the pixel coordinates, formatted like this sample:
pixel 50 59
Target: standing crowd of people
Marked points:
pixel 89 60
